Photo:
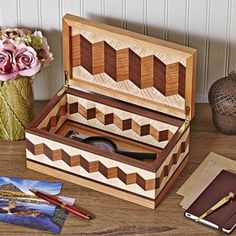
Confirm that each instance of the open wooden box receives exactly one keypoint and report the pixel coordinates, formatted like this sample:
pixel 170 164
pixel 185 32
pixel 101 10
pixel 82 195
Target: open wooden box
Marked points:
pixel 133 89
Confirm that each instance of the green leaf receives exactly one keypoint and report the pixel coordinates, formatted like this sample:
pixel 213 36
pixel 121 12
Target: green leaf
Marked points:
pixel 19 97
pixel 36 42
pixel 16 103
pixel 10 127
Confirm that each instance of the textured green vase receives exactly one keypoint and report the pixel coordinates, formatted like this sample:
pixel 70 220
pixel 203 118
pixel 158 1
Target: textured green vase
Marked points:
pixel 16 107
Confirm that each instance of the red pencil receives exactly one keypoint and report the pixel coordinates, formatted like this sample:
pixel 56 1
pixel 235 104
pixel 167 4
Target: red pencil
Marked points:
pixel 54 200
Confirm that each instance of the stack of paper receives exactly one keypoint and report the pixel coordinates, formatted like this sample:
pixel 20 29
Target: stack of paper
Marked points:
pixel 203 176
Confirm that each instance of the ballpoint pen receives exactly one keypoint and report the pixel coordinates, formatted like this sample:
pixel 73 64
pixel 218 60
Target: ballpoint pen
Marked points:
pixel 231 195
pixel 54 200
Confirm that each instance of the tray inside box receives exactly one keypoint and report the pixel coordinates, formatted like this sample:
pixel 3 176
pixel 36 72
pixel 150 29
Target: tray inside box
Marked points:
pixel 131 129
pixel 121 143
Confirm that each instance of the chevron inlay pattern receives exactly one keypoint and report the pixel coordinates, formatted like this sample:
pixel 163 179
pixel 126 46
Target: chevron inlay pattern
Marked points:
pixel 125 64
pixel 54 119
pixel 141 129
pixel 109 173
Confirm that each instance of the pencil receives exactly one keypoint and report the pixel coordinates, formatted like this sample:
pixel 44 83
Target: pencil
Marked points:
pixel 55 201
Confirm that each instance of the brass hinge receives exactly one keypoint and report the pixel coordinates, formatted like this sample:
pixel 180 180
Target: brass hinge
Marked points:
pixel 63 89
pixel 187 120
pixel 66 77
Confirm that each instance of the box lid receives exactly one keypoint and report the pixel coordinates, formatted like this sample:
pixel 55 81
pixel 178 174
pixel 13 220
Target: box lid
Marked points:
pixel 128 66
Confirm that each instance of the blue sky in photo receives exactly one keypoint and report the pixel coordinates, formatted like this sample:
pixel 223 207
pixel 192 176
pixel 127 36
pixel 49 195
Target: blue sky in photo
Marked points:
pixel 26 184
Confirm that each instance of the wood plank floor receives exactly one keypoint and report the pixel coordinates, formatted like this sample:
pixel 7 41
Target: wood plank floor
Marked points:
pixel 118 217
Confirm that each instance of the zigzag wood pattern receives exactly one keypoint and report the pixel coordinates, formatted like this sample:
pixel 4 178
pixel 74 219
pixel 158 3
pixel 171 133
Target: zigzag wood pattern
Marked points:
pixel 107 119
pixel 54 120
pixel 125 64
pixel 109 173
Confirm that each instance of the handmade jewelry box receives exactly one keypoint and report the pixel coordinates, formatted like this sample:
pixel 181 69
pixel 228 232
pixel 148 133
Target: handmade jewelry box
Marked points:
pixel 135 90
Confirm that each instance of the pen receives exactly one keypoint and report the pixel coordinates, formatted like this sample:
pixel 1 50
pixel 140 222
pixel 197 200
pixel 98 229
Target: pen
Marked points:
pixel 231 195
pixel 54 200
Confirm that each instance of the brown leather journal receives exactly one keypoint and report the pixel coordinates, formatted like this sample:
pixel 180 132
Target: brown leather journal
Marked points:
pixel 223 218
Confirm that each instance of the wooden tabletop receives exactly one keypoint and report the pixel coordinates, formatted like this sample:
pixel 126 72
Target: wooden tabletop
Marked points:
pixel 118 217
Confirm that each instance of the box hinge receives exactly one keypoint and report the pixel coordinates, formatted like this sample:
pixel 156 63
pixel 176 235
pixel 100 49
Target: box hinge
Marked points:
pixel 187 120
pixel 63 89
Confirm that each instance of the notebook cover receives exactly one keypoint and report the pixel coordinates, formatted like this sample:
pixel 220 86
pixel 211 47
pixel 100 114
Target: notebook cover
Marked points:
pixel 224 217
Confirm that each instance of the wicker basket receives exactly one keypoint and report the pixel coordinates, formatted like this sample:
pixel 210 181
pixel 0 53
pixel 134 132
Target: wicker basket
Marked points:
pixel 222 98
pixel 16 107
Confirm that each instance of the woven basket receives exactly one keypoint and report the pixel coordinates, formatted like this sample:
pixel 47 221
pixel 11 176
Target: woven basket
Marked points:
pixel 16 107
pixel 222 98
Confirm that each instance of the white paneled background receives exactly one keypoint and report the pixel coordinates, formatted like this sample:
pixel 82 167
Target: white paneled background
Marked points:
pixel 207 25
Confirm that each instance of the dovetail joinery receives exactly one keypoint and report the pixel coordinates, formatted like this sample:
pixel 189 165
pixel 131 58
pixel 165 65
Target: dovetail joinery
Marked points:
pixel 125 64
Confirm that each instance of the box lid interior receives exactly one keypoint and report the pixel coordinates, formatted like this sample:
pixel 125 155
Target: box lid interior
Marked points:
pixel 128 66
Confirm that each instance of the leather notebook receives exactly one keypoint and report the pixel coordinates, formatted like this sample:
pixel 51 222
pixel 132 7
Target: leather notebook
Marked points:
pixel 223 218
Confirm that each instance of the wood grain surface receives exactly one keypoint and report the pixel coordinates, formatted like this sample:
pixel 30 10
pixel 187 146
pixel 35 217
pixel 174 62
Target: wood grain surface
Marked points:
pixel 118 217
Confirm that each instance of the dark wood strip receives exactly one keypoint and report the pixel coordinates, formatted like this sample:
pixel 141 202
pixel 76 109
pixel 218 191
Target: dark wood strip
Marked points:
pixel 126 124
pixel 135 68
pixel 73 108
pixel 110 61
pixel 159 76
pixel 91 113
pixel 163 135
pixel 86 53
pixel 30 146
pixel 145 130
pixel 109 119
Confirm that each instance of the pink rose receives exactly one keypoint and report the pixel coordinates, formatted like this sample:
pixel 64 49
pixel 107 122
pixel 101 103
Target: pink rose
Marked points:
pixel 8 68
pixel 27 61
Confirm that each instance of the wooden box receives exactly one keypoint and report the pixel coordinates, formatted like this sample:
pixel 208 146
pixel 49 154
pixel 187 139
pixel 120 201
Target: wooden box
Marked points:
pixel 133 89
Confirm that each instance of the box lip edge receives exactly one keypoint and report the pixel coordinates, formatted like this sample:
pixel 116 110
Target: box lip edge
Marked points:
pixel 68 18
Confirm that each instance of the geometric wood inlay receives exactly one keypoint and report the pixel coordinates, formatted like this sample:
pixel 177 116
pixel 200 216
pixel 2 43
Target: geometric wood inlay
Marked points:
pixel 125 64
pixel 111 172
pixel 54 120
pixel 107 119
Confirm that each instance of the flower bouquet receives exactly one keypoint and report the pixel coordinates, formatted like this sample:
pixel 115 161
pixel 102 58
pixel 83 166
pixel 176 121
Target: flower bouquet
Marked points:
pixel 22 55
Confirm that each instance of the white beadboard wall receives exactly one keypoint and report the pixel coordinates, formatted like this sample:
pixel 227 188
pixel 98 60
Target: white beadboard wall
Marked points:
pixel 207 25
